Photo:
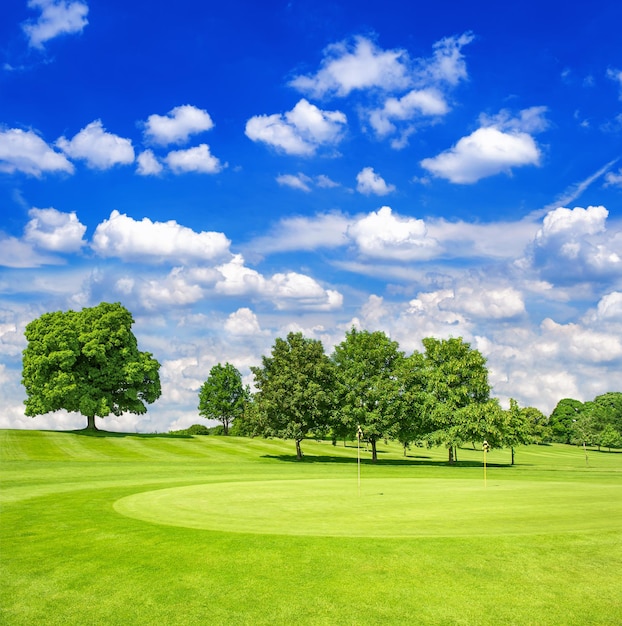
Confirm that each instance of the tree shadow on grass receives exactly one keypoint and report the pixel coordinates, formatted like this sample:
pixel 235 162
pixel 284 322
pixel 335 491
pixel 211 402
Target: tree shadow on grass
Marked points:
pixel 85 432
pixel 410 461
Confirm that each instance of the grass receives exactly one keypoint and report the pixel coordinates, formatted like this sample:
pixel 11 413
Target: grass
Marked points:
pixel 143 529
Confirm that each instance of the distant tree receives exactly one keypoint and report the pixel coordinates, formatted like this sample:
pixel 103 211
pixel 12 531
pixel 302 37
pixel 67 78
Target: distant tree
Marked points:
pixel 519 427
pixel 222 396
pixel 294 390
pixel 562 419
pixel 368 389
pixel 87 361
pixel 457 383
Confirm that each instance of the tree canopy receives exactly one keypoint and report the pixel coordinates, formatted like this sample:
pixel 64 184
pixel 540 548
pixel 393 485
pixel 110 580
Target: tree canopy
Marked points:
pixel 368 389
pixel 294 390
pixel 222 396
pixel 87 361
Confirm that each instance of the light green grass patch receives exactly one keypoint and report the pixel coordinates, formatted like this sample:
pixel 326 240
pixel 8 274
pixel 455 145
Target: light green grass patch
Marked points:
pixel 384 508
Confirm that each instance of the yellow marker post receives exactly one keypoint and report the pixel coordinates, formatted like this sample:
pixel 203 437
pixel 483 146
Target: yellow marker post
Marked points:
pixel 359 434
pixel 485 448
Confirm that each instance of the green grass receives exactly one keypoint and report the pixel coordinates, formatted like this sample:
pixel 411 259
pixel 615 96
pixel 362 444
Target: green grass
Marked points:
pixel 143 529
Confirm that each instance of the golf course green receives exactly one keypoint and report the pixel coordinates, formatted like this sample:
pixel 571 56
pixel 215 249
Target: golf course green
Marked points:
pixel 108 528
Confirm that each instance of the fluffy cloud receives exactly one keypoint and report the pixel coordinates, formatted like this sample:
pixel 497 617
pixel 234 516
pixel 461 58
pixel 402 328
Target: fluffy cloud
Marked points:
pixel 58 17
pixel 55 231
pixel 131 240
pixel 148 164
pixel 100 149
pixel 447 64
pixel 483 302
pixel 368 182
pixel 485 152
pixel 423 102
pixel 360 65
pixel 177 125
pixel 243 322
pixel 384 235
pixel 288 290
pixel 300 131
pixel 25 151
pixel 198 159
pixel 501 143
pixel 573 245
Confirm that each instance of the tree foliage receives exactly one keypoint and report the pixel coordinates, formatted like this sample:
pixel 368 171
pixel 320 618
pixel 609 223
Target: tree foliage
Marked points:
pixel 368 388
pixel 294 390
pixel 87 361
pixel 562 419
pixel 222 396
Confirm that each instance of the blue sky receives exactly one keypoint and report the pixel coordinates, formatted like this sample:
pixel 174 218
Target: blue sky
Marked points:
pixel 233 171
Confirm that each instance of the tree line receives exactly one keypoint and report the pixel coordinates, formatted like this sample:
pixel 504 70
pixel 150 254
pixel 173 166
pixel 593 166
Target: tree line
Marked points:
pixel 88 362
pixel 369 388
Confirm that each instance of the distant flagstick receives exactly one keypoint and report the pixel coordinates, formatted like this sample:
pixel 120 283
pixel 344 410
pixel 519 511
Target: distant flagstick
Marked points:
pixel 359 435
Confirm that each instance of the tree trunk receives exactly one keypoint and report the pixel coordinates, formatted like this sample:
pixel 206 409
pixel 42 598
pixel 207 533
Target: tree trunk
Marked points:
pixel 374 454
pixel 225 427
pixel 456 454
pixel 451 455
pixel 512 455
pixel 90 422
pixel 298 450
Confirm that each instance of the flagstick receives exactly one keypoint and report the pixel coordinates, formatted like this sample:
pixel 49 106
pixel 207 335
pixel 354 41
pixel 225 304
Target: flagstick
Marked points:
pixel 359 433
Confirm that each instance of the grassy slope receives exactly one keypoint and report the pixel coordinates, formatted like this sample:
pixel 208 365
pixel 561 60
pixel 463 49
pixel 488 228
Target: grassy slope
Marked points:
pixel 68 557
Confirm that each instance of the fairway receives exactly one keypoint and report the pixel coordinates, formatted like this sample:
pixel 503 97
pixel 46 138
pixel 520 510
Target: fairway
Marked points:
pixel 385 508
pixel 126 529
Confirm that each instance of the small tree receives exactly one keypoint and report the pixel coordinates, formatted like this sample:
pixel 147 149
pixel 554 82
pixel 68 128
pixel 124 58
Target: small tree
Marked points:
pixel 222 396
pixel 519 428
pixel 87 361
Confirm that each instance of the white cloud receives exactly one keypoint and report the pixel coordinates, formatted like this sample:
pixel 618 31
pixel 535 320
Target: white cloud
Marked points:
pixel 368 182
pixel 348 67
pixel 198 159
pixel 381 234
pixel 614 179
pixel 177 125
pixel 148 164
pixel 300 131
pixel 422 102
pixel 100 149
pixel 447 64
pixel 485 152
pixel 123 237
pixel 574 245
pixel 55 231
pixel 610 307
pixel 289 290
pixel 326 230
pixel 243 322
pixel 17 253
pixel 174 290
pixel 58 17
pixel 295 181
pixel 25 151
pixel 487 302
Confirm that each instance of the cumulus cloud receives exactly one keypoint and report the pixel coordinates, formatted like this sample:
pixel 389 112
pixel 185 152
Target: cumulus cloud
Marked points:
pixel 381 234
pixel 358 65
pixel 198 159
pixel 368 182
pixel 131 240
pixel 482 302
pixel 58 17
pixel 24 151
pixel 243 323
pixel 100 149
pixel 300 131
pixel 289 290
pixel 55 231
pixel 177 125
pixel 148 164
pixel 485 152
pixel 573 245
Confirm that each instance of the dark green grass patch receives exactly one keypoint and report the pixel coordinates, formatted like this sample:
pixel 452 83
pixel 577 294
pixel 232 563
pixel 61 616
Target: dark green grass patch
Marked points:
pixel 68 556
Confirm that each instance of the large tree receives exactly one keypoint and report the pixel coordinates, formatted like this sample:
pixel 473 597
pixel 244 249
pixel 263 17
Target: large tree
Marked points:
pixel 456 381
pixel 222 396
pixel 294 390
pixel 368 387
pixel 562 419
pixel 87 361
